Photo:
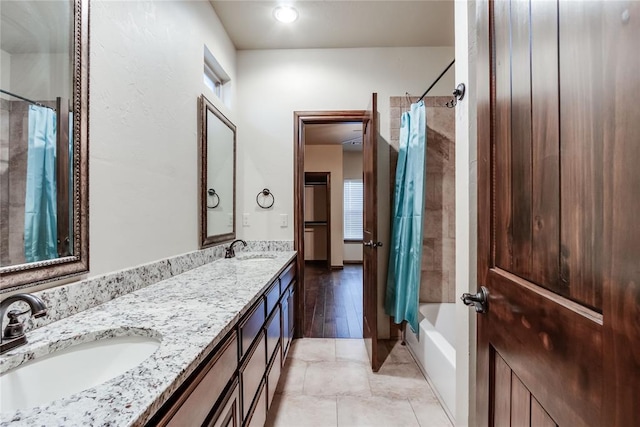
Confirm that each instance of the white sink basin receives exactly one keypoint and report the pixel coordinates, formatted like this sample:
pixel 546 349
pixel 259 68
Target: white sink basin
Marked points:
pixel 71 370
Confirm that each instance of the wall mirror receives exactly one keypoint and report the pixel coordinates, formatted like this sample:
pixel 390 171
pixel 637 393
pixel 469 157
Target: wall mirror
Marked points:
pixel 43 141
pixel 217 175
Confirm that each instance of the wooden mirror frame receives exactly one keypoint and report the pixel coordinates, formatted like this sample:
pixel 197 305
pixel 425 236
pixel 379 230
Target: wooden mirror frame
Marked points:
pixel 206 240
pixel 20 276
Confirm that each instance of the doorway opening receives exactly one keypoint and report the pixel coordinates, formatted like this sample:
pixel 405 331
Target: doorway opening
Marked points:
pixel 328 221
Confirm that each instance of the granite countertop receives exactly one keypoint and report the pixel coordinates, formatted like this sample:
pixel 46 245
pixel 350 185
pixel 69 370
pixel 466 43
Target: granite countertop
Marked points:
pixel 190 313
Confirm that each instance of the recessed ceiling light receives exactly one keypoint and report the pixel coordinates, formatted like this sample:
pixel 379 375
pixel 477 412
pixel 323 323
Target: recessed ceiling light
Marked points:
pixel 286 14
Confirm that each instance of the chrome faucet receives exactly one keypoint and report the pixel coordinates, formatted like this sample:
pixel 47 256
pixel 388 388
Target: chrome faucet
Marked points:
pixel 13 335
pixel 229 252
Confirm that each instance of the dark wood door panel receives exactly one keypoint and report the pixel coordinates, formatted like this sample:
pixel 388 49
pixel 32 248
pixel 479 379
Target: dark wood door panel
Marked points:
pixel 530 326
pixel 502 248
pixel 545 146
pixel 622 202
pixel 581 150
pixel 520 164
pixel 513 403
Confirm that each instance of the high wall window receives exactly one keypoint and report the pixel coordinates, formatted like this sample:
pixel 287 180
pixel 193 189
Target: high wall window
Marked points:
pixel 214 76
pixel 353 209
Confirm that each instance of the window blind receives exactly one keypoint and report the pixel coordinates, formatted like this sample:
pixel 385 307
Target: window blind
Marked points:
pixel 353 209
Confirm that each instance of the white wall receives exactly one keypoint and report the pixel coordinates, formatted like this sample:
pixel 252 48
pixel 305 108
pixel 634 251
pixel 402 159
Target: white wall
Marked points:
pixel 5 71
pixel 466 211
pixel 41 76
pixel 146 75
pixel 272 84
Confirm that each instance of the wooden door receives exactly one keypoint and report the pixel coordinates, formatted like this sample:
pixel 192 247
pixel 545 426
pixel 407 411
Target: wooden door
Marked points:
pixel 370 232
pixel 559 193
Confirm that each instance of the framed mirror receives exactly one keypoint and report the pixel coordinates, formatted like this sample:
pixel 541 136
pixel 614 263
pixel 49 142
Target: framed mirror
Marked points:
pixel 217 175
pixel 44 93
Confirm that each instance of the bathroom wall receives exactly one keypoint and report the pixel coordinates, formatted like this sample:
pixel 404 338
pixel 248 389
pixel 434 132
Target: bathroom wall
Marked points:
pixel 437 282
pixel 272 84
pixel 146 77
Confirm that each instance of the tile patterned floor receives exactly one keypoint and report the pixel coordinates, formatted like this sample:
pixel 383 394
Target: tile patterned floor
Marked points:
pixel 328 382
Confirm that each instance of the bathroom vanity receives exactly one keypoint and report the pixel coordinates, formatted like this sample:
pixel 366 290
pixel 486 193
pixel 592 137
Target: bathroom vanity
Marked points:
pixel 236 383
pixel 224 330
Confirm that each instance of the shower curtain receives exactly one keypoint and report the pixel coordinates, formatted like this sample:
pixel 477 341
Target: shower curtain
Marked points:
pixel 405 255
pixel 40 222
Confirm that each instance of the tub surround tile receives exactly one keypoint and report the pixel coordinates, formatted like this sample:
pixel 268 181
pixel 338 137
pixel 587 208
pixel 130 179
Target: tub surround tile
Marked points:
pixel 66 300
pixel 191 312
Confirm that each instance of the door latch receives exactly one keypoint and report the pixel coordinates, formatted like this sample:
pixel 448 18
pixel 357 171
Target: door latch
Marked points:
pixel 480 300
pixel 372 244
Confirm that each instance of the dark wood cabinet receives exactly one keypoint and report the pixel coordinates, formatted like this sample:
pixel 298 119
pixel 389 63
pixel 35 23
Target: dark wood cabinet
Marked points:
pixel 229 415
pixel 237 380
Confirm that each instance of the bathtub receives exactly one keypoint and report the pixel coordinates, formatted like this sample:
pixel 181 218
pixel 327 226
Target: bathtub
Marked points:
pixel 434 350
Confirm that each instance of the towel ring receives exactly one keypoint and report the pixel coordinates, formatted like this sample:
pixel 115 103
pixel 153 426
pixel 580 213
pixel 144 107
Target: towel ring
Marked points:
pixel 213 193
pixel 265 193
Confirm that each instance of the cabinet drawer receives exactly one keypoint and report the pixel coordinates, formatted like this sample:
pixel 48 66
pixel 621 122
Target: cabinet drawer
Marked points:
pixel 272 378
pixel 200 398
pixel 251 326
pixel 273 333
pixel 287 276
pixel 252 374
pixel 259 416
pixel 272 296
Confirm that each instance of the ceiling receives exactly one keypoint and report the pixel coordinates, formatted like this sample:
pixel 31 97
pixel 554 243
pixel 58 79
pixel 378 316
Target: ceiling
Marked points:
pixel 339 24
pixel 35 26
pixel 349 135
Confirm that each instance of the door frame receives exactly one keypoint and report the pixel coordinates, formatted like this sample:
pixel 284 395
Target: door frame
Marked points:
pixel 300 119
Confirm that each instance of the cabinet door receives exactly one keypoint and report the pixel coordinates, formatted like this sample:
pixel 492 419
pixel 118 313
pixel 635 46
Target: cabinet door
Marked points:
pixel 229 416
pixel 194 405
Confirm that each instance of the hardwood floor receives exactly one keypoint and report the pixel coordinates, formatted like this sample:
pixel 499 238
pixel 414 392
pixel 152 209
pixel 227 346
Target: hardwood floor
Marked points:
pixel 333 302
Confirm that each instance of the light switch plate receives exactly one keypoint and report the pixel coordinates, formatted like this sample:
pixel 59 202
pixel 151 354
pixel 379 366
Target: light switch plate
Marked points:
pixel 245 219
pixel 284 220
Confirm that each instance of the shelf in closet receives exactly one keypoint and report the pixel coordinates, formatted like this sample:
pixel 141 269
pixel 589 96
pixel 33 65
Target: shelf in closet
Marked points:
pixel 314 223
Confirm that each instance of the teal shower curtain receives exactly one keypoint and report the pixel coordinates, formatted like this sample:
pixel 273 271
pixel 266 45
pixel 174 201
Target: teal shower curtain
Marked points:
pixel 40 223
pixel 405 254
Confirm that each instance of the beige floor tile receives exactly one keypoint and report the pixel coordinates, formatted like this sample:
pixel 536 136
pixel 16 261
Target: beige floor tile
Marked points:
pixel 430 414
pixel 337 379
pixel 375 411
pixel 351 350
pixel 398 353
pixel 292 377
pixel 313 350
pixel 400 381
pixel 307 411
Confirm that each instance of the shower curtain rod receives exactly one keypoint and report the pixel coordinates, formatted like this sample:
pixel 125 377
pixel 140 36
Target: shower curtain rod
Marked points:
pixel 436 81
pixel 25 99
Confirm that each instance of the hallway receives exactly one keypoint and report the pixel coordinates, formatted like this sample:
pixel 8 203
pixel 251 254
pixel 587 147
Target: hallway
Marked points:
pixel 333 302
pixel 327 382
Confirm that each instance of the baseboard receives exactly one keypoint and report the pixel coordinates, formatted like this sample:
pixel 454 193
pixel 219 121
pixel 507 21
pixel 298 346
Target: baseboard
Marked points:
pixel 355 262
pixel 337 267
